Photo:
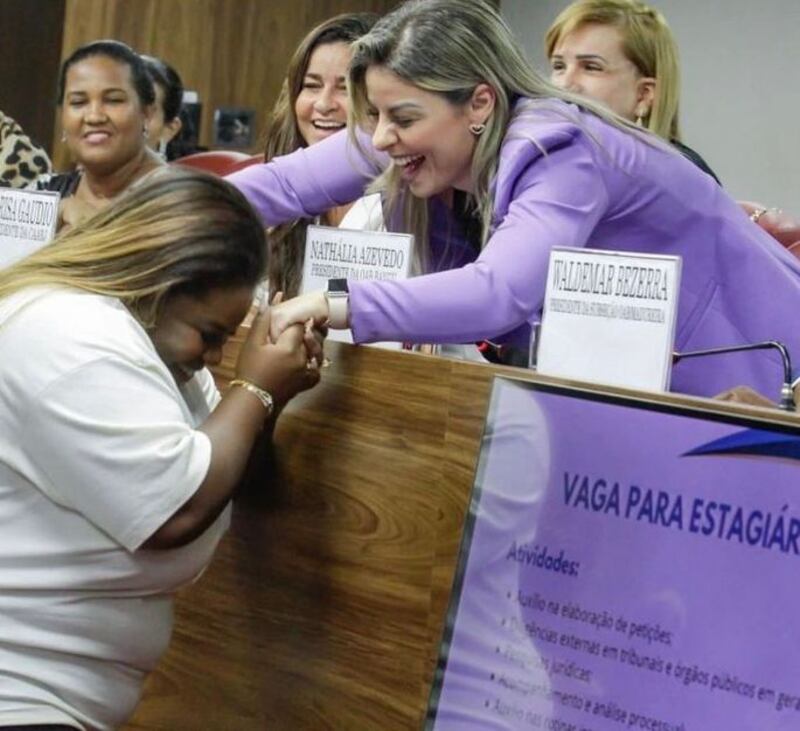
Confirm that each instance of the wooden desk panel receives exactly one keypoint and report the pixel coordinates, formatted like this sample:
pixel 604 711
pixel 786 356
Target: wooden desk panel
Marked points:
pixel 323 608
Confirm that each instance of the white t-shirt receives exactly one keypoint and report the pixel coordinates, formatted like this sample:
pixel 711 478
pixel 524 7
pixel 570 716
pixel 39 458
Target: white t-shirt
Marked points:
pixel 98 448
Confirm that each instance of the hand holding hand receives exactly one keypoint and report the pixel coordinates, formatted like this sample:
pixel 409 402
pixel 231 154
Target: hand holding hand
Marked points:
pixel 314 340
pixel 314 337
pixel 298 310
pixel 280 367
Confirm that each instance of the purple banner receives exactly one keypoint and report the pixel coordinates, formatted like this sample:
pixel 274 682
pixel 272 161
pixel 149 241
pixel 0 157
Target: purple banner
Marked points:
pixel 624 566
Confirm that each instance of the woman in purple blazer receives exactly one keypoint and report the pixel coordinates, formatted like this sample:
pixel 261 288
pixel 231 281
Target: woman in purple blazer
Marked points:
pixel 452 104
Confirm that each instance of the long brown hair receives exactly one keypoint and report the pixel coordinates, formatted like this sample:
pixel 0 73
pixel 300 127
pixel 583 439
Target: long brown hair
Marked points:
pixel 287 242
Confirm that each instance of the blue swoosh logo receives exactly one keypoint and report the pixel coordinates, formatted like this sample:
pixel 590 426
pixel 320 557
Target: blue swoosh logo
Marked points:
pixel 753 442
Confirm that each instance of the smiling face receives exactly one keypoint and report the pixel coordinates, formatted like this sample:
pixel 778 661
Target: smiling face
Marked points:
pixel 425 135
pixel 102 117
pixel 191 331
pixel 321 105
pixel 590 62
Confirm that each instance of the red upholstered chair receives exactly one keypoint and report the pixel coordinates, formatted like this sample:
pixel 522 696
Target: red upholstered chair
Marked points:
pixel 252 160
pixel 219 162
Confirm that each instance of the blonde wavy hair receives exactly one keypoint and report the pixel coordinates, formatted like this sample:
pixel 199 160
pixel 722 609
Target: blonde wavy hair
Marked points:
pixel 647 43
pixel 178 231
pixel 449 47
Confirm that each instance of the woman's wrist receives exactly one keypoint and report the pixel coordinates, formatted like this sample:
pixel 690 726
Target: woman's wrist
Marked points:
pixel 337 297
pixel 264 396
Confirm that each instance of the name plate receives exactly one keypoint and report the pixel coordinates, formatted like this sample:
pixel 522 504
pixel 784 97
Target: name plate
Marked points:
pixel 609 317
pixel 28 220
pixel 336 253
pixel 625 567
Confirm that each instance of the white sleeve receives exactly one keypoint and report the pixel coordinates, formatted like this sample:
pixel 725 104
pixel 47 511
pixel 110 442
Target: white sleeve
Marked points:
pixel 111 441
pixel 366 214
pixel 209 388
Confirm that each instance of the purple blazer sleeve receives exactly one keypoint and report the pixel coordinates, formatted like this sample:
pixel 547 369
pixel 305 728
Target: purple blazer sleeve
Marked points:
pixel 311 180
pixel 541 201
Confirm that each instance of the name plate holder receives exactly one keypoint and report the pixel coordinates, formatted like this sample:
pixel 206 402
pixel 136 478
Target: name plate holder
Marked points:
pixel 609 317
pixel 28 220
pixel 337 253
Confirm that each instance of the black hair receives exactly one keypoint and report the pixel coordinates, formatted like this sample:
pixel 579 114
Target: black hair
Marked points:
pixel 119 52
pixel 170 81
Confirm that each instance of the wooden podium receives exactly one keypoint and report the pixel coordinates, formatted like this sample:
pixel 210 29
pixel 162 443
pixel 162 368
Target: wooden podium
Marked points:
pixel 324 606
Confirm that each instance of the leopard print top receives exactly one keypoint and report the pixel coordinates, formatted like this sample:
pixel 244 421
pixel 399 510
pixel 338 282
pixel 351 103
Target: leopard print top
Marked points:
pixel 21 160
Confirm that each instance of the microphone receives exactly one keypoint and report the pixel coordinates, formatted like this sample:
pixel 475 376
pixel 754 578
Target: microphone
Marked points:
pixel 787 392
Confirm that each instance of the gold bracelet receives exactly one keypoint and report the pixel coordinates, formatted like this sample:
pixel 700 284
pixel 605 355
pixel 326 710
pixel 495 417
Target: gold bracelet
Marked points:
pixel 264 396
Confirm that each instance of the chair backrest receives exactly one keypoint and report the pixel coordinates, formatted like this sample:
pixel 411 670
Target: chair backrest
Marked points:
pixel 219 162
pixel 252 160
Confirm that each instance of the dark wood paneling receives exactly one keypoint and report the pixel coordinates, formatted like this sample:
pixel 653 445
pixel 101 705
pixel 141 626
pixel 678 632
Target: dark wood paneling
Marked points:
pixel 30 54
pixel 232 52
